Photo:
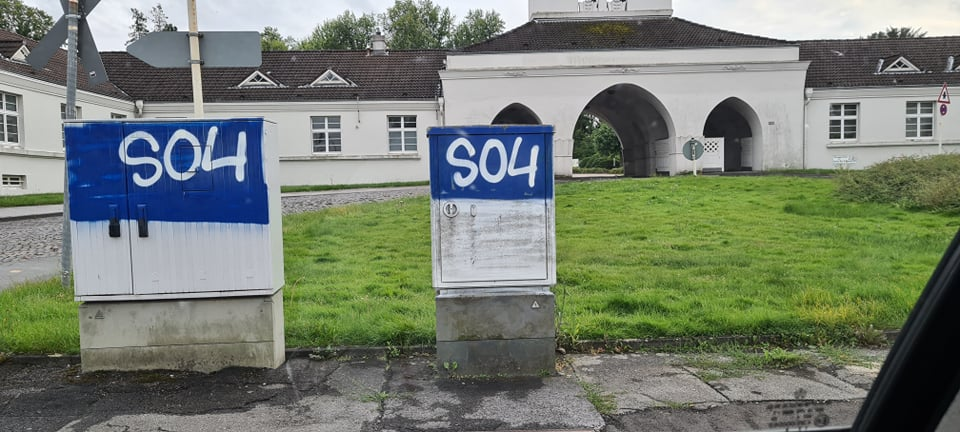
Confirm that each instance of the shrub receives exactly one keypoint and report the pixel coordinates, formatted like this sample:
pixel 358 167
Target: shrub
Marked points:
pixel 921 183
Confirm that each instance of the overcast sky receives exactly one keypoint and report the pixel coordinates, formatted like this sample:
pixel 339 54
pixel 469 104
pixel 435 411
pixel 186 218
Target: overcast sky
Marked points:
pixel 783 19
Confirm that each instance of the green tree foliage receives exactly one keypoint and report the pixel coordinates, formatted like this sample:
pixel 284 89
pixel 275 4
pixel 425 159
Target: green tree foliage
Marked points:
pixel 596 144
pixel 139 26
pixel 345 32
pixel 272 40
pixel 24 20
pixel 160 20
pixel 898 33
pixel 476 27
pixel 418 24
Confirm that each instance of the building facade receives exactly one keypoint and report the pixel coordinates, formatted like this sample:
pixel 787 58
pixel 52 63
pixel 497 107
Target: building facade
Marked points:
pixel 356 117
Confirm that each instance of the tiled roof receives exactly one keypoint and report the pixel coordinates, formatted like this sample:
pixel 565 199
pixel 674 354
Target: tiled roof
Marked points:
pixel 853 63
pixel 56 70
pixel 401 75
pixel 659 32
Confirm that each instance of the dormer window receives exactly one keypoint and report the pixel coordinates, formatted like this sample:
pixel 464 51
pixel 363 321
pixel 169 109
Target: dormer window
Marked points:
pixel 900 65
pixel 331 79
pixel 21 54
pixel 258 80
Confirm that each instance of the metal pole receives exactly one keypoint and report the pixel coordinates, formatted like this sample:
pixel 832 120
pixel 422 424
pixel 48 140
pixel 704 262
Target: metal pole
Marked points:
pixel 195 59
pixel 73 19
pixel 940 130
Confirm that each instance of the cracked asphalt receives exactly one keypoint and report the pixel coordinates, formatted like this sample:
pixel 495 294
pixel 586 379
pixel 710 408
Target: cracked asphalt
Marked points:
pixel 367 392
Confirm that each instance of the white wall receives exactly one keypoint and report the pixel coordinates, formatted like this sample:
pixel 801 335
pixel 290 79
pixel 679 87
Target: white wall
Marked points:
pixel 881 128
pixel 40 154
pixel 688 92
pixel 365 155
pixel 571 8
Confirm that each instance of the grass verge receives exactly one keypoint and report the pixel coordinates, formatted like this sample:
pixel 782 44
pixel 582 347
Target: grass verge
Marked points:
pixel 666 257
pixel 30 200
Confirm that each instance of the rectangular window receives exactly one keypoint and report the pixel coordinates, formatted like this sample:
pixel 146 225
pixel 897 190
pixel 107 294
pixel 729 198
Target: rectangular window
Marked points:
pixel 326 134
pixel 9 119
pixel 14 181
pixel 63 112
pixel 116 116
pixel 843 122
pixel 920 117
pixel 402 132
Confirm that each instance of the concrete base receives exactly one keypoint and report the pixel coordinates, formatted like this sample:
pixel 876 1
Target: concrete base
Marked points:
pixel 202 335
pixel 496 333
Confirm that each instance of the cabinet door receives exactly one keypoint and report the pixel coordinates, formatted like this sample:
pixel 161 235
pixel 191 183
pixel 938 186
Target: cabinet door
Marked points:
pixel 198 206
pixel 99 233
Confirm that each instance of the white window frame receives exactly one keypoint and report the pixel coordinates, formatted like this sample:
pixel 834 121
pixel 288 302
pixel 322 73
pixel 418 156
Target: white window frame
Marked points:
pixel 5 115
pixel 918 118
pixel 901 65
pixel 258 80
pixel 844 120
pixel 326 131
pixel 331 79
pixel 403 127
pixel 13 181
pixel 63 112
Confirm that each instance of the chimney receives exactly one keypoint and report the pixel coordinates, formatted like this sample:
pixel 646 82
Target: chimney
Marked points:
pixel 378 44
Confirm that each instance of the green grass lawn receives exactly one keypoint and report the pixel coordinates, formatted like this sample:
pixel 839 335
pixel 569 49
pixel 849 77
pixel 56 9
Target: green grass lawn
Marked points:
pixel 30 200
pixel 637 258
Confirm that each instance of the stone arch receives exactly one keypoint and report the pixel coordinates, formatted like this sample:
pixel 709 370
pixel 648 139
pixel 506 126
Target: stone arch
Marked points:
pixel 516 113
pixel 738 123
pixel 640 121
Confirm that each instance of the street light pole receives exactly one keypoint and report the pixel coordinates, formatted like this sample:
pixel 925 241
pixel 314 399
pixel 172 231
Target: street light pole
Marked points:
pixel 195 59
pixel 73 22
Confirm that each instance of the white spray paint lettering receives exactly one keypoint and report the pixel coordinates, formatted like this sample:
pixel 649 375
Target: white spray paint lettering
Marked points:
pixel 202 157
pixel 507 167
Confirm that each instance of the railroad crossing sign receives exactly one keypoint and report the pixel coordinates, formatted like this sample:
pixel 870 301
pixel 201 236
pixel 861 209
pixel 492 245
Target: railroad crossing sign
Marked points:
pixel 86 47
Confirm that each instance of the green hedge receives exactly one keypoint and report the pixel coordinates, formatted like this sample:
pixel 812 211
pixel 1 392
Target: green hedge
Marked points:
pixel 918 183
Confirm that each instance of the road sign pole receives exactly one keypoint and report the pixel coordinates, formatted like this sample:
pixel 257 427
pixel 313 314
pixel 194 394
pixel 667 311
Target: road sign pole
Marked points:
pixel 195 59
pixel 940 132
pixel 73 25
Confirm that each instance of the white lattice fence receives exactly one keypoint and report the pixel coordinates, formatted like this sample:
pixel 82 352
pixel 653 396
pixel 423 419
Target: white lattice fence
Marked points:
pixel 712 154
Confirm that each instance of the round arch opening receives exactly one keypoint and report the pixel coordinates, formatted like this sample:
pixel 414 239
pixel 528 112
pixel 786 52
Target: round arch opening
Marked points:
pixel 738 125
pixel 516 114
pixel 640 122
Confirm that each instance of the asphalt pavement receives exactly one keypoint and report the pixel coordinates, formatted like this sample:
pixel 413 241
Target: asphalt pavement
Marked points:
pixel 367 391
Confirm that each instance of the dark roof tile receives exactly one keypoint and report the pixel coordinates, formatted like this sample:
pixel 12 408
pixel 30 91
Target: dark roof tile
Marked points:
pixel 616 34
pixel 853 63
pixel 401 75
pixel 56 70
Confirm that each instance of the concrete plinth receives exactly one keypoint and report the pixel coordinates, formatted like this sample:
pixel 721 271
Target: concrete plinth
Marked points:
pixel 496 333
pixel 203 335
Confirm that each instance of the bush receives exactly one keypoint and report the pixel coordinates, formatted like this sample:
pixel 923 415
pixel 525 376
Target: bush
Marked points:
pixel 920 183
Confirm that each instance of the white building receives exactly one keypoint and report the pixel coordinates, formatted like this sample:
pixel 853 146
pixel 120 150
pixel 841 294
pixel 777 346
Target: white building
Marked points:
pixel 361 117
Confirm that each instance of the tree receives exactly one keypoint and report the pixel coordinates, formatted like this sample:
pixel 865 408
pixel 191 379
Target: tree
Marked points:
pixel 345 32
pixel 159 19
pixel 272 40
pixel 139 26
pixel 477 26
pixel 24 20
pixel 898 33
pixel 417 25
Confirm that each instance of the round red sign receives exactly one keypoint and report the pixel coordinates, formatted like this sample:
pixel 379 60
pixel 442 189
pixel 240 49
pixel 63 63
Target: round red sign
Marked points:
pixel 943 109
